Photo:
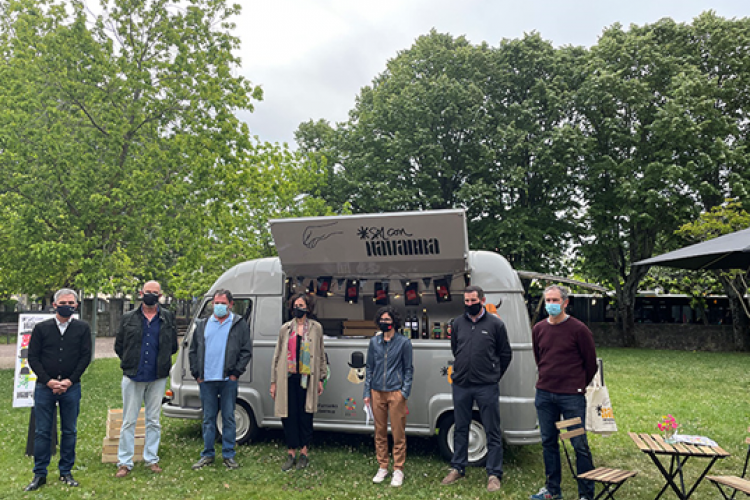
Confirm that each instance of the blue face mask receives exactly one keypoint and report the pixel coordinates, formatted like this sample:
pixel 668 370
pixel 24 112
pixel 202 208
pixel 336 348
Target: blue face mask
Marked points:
pixel 553 309
pixel 220 310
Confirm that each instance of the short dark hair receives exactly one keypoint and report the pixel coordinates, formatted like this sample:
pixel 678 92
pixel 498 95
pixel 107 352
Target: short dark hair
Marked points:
pixel 309 302
pixel 393 313
pixel 225 293
pixel 475 288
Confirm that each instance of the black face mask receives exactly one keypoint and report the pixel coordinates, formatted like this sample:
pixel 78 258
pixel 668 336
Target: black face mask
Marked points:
pixel 385 327
pixel 473 309
pixel 65 311
pixel 150 299
pixel 299 312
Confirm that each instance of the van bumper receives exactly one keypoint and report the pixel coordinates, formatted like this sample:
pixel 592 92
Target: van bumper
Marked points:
pixel 174 411
pixel 522 437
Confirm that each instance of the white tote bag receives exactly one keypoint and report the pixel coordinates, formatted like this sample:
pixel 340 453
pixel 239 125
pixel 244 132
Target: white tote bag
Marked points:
pixel 600 419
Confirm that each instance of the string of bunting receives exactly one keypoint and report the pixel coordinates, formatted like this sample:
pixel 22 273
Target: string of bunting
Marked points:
pixel 350 288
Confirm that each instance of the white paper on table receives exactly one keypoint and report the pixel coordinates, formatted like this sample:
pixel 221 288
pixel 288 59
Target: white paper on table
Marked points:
pixel 697 440
pixel 368 415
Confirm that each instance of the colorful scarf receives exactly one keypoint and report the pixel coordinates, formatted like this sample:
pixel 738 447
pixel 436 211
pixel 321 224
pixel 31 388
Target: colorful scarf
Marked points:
pixel 301 366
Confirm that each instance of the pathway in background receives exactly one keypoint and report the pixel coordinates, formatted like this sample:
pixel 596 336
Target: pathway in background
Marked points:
pixel 105 348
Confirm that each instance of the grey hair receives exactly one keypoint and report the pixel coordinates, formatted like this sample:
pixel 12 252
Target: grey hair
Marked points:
pixel 65 291
pixel 563 291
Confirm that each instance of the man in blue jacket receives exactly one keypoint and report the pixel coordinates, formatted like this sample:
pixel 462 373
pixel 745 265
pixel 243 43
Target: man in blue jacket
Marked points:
pixel 146 340
pixel 219 354
pixel 482 354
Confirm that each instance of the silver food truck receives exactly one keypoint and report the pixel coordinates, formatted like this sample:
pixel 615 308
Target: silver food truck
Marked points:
pixel 417 262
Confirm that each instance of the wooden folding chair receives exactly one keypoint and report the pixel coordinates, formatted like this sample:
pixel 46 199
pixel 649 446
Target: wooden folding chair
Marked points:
pixel 610 479
pixel 735 483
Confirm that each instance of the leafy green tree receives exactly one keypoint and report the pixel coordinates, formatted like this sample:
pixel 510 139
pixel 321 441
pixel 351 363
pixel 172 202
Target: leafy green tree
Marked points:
pixel 632 179
pixel 273 183
pixel 521 199
pixel 664 112
pixel 450 124
pixel 119 140
pixel 317 143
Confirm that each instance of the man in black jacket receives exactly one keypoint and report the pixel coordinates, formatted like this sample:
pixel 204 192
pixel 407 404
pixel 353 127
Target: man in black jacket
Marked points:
pixel 146 340
pixel 219 353
pixel 482 354
pixel 59 352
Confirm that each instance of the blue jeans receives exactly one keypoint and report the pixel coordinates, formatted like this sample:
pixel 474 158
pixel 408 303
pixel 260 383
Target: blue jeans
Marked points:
pixel 549 407
pixel 45 405
pixel 133 394
pixel 487 398
pixel 215 395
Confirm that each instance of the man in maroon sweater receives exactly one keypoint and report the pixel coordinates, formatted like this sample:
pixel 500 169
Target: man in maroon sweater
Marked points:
pixel 566 359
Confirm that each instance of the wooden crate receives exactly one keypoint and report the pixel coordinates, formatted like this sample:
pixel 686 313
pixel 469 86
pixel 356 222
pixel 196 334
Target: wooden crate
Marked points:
pixel 114 423
pixel 109 450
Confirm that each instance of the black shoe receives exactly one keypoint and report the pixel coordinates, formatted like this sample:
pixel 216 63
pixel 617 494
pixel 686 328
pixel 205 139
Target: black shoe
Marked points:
pixel 302 462
pixel 36 483
pixel 289 464
pixel 68 479
pixel 231 463
pixel 204 461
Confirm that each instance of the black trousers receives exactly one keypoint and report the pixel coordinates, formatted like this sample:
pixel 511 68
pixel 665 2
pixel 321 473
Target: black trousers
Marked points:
pixel 298 425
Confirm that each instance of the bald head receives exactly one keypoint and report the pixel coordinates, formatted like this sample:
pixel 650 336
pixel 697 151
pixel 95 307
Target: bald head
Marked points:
pixel 152 287
pixel 150 296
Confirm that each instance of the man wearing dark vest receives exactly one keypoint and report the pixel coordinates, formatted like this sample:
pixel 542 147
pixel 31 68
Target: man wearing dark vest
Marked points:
pixel 59 352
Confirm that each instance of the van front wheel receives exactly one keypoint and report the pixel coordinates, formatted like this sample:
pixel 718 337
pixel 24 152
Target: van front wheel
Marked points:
pixel 247 428
pixel 477 440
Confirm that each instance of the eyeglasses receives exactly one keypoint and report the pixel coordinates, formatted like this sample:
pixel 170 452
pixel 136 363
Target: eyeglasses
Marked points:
pixel 70 303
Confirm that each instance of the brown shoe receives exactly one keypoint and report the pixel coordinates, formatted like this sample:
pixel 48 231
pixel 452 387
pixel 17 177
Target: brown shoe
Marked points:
pixel 452 477
pixel 155 468
pixel 122 471
pixel 493 484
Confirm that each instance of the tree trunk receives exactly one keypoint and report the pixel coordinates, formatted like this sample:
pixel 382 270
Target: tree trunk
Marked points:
pixel 626 313
pixel 740 325
pixel 626 293
pixel 736 291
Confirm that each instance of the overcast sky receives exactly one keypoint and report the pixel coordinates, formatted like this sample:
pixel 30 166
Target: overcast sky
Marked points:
pixel 312 57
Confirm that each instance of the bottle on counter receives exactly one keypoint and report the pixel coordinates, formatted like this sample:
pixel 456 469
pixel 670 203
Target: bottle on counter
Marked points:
pixel 406 330
pixel 436 330
pixel 425 325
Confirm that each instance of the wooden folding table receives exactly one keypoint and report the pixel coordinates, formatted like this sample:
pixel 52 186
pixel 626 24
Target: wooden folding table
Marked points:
pixel 679 453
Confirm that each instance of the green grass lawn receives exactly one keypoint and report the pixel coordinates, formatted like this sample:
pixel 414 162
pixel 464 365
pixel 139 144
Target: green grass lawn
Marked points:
pixel 706 392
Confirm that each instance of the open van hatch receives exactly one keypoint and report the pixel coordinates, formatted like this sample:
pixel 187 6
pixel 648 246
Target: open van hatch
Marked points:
pixel 404 245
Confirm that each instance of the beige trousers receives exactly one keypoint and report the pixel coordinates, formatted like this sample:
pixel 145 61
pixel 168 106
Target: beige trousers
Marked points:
pixel 384 404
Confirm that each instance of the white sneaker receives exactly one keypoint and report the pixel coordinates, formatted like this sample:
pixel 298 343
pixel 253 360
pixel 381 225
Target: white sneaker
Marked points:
pixel 380 476
pixel 397 479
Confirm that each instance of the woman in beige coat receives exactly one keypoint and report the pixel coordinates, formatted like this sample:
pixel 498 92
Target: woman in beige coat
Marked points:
pixel 297 375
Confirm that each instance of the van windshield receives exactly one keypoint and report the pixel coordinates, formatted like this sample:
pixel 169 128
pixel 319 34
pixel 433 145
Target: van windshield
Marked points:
pixel 243 307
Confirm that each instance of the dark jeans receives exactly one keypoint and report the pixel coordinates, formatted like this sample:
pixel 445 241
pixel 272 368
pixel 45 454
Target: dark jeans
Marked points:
pixel 45 405
pixel 215 395
pixel 487 398
pixel 298 426
pixel 549 407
